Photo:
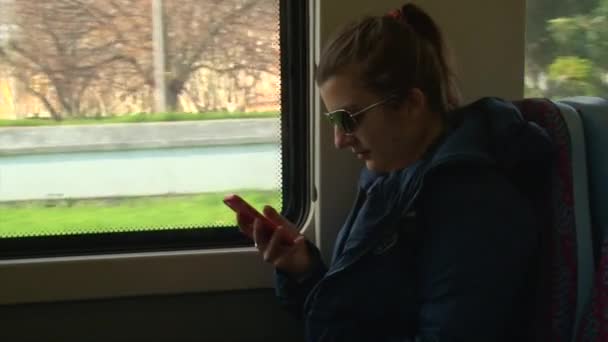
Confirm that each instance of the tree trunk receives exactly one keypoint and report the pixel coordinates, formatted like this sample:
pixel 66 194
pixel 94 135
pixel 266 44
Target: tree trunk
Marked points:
pixel 173 91
pixel 54 114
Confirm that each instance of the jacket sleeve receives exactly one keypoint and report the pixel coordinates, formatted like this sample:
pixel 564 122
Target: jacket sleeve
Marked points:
pixel 477 254
pixel 293 292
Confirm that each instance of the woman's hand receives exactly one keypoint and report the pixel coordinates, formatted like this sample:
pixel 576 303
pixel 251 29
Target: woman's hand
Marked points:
pixel 292 258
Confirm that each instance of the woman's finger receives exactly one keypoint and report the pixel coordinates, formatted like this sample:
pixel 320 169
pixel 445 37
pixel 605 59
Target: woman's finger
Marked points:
pixel 244 225
pixel 275 217
pixel 260 237
pixel 290 231
pixel 276 247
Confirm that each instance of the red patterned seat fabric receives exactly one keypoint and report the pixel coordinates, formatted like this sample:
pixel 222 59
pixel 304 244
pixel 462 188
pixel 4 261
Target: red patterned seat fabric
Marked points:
pixel 558 280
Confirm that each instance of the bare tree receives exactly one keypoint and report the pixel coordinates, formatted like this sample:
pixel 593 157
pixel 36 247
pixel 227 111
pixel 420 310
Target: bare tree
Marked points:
pixel 223 36
pixel 80 56
pixel 58 49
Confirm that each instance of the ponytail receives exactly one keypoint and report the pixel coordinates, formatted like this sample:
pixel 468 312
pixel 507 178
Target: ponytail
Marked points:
pixel 424 26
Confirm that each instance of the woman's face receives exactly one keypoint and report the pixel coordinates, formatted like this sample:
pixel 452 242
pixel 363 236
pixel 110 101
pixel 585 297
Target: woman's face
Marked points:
pixel 388 137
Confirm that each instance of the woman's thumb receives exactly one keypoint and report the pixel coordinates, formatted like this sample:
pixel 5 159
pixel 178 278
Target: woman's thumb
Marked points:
pixel 300 240
pixel 274 216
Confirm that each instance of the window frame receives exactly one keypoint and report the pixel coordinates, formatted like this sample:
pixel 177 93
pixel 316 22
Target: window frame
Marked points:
pixel 295 180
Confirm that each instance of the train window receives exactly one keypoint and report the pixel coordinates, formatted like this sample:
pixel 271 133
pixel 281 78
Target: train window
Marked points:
pixel 567 48
pixel 123 123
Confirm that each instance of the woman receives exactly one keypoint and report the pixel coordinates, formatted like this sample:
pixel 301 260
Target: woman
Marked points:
pixel 441 239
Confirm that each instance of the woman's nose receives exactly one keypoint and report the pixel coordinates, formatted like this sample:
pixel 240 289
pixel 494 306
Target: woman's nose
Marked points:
pixel 341 140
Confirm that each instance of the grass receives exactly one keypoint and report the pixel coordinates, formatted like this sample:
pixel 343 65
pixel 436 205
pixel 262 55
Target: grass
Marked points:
pixel 60 217
pixel 137 118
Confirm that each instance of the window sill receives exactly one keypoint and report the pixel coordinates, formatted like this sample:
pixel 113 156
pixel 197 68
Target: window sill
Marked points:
pixel 96 277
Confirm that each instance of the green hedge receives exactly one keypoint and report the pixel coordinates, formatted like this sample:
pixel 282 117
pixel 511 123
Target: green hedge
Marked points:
pixel 138 118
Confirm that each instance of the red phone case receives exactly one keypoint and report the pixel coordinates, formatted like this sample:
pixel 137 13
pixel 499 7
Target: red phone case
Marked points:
pixel 239 205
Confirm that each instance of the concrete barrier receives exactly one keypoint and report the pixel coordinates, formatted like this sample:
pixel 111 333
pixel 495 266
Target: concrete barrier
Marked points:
pixel 135 136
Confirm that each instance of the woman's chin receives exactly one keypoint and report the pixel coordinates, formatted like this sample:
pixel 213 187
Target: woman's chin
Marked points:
pixel 369 163
pixel 375 166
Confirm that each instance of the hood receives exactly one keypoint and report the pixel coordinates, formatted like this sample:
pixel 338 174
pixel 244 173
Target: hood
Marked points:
pixel 490 131
pixel 493 130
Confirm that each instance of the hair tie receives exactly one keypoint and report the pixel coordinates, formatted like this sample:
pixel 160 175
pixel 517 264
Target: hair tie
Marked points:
pixel 396 14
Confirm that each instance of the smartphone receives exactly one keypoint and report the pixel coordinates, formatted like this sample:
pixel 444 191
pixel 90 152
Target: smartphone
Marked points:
pixel 239 205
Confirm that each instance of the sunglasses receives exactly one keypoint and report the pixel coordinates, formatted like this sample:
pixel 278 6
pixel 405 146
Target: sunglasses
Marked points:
pixel 346 121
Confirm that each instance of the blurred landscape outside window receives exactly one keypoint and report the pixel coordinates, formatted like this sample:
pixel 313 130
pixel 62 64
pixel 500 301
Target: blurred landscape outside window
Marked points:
pixel 114 113
pixel 566 48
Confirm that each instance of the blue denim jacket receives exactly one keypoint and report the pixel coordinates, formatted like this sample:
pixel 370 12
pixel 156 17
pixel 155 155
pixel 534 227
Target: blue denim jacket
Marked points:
pixel 440 251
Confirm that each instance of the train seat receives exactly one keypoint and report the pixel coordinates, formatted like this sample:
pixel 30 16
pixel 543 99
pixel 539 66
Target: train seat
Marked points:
pixel 594 114
pixel 566 262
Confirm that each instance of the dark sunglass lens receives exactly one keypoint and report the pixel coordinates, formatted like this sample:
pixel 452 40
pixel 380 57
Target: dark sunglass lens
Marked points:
pixel 342 120
pixel 337 118
pixel 341 117
pixel 348 123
